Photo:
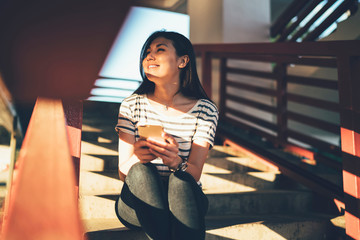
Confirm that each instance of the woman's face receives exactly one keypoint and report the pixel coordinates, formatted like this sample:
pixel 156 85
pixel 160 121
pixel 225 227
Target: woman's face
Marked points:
pixel 161 62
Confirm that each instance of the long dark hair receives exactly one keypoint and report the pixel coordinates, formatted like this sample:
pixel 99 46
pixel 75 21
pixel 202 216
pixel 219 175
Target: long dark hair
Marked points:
pixel 190 85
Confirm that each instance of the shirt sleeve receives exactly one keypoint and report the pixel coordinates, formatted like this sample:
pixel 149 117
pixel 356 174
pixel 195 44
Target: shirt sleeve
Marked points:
pixel 125 119
pixel 207 123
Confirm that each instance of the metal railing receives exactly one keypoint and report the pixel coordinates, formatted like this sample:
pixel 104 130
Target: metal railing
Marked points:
pixel 237 105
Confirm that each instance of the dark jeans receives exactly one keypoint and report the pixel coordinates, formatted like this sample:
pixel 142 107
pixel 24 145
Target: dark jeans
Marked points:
pixel 165 208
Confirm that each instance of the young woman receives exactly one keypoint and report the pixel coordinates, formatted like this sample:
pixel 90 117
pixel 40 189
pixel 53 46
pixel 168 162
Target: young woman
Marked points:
pixel 162 194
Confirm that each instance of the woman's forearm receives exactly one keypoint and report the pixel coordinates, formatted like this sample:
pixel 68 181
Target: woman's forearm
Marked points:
pixel 124 166
pixel 194 170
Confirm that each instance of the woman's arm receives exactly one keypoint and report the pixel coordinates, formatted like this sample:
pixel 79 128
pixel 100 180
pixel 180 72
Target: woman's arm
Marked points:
pixel 197 157
pixel 131 152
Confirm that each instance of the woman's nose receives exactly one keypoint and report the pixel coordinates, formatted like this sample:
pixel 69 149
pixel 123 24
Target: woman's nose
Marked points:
pixel 150 56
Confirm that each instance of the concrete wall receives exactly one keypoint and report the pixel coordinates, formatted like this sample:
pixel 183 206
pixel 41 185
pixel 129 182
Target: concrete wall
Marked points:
pixel 246 21
pixel 206 21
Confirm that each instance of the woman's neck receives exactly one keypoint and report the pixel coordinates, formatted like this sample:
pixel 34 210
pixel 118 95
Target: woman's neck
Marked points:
pixel 171 101
pixel 166 96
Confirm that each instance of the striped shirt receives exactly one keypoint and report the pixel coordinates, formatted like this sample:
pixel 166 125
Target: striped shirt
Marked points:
pixel 199 123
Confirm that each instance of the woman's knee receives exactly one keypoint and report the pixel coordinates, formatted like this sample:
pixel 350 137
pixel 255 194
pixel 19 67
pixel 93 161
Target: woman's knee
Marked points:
pixel 181 180
pixel 184 189
pixel 140 171
pixel 181 187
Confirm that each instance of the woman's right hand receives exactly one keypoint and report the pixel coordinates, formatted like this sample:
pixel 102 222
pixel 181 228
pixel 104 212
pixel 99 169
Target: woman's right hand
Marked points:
pixel 141 150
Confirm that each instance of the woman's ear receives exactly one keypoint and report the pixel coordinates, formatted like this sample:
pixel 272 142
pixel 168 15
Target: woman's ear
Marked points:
pixel 184 61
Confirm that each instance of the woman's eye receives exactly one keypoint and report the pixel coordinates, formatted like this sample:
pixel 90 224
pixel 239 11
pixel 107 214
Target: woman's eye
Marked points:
pixel 161 49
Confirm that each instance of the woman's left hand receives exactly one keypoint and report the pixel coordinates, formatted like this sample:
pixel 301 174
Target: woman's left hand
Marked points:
pixel 167 150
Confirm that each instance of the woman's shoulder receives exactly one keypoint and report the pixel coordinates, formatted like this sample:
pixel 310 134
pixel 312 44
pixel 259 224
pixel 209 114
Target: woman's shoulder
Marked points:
pixel 208 105
pixel 133 98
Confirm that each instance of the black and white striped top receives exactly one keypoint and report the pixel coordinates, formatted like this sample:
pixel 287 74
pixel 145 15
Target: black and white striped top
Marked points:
pixel 199 123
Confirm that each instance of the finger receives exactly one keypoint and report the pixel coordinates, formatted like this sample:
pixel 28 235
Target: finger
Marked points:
pixel 166 151
pixel 166 156
pixel 144 154
pixel 169 138
pixel 140 144
pixel 162 146
pixel 156 141
pixel 158 152
pixel 145 160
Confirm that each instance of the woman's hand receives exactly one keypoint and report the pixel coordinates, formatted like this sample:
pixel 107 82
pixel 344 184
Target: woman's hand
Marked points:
pixel 142 151
pixel 166 150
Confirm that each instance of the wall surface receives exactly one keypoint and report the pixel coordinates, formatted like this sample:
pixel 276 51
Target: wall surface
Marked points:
pixel 226 21
pixel 206 21
pixel 246 21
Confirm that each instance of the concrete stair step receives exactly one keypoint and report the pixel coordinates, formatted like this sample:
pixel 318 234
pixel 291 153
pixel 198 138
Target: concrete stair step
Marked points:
pixel 92 183
pixel 224 151
pixel 98 162
pixel 234 164
pixel 97 206
pixel 98 127
pixel 259 202
pixel 274 226
pixel 305 227
pixel 99 148
pixel 108 137
pixel 110 229
pixel 238 182
pixel 256 202
pixel 99 156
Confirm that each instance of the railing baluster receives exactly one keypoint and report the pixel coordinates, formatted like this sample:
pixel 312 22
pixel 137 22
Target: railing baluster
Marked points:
pixel 349 75
pixel 223 95
pixel 74 115
pixel 206 72
pixel 281 100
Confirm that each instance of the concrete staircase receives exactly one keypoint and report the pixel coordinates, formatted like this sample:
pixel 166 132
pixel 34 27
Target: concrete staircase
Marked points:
pixel 248 199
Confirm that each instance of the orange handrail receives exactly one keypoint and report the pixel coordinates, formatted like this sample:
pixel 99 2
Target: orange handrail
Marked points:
pixel 43 207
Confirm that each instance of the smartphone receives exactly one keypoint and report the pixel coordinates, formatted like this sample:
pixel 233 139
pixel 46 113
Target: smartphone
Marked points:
pixel 153 131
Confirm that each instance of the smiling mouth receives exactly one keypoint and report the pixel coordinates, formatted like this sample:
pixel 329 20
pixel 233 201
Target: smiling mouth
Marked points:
pixel 153 66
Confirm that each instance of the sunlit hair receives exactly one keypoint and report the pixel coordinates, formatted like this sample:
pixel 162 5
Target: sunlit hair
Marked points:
pixel 190 85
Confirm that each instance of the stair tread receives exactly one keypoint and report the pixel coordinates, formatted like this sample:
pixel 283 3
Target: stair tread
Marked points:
pixel 212 193
pixel 214 221
pixel 216 226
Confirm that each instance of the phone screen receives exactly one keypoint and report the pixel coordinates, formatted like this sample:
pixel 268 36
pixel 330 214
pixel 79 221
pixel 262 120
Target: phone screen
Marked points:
pixel 153 131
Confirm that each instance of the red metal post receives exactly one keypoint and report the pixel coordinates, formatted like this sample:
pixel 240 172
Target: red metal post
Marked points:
pixel 349 85
pixel 222 97
pixel 206 73
pixel 74 115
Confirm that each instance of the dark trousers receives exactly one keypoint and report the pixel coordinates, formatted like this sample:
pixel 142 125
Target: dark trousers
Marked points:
pixel 165 208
